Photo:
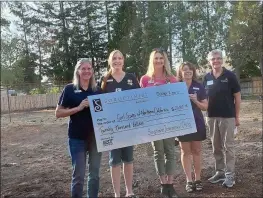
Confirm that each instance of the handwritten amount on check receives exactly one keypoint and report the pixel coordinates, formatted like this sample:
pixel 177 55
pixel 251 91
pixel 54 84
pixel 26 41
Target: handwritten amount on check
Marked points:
pixel 137 115
pixel 164 127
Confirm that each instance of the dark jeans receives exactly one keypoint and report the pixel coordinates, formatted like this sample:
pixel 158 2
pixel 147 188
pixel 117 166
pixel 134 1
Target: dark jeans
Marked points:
pixel 78 151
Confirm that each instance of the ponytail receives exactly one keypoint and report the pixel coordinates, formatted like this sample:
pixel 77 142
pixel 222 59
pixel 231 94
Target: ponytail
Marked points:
pixel 105 79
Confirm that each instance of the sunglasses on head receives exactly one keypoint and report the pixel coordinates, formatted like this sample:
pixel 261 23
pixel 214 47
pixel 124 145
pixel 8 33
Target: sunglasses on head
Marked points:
pixel 186 63
pixel 160 49
pixel 84 59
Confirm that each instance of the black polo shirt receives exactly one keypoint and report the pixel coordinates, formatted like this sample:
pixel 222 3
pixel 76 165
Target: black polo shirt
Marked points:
pixel 80 124
pixel 220 94
pixel 129 81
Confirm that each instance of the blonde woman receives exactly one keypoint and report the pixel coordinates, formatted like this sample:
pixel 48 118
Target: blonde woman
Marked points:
pixel 159 73
pixel 118 80
pixel 73 102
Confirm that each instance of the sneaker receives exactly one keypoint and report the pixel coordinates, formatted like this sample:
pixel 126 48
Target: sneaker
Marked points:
pixel 229 181
pixel 189 187
pixel 198 185
pixel 217 178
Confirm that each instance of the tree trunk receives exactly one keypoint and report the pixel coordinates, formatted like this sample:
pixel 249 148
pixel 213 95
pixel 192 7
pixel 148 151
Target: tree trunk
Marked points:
pixel 24 29
pixel 208 26
pixel 40 56
pixel 90 35
pixel 237 71
pixel 261 63
pixel 170 35
pixel 65 42
pixel 108 25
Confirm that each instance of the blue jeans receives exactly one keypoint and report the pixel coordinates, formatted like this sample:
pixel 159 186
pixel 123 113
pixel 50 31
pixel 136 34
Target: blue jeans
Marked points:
pixel 78 151
pixel 121 155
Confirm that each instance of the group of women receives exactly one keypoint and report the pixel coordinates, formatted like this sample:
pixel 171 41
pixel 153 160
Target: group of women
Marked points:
pixel 73 102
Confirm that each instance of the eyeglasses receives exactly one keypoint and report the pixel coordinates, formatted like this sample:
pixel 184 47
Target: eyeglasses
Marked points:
pixel 218 58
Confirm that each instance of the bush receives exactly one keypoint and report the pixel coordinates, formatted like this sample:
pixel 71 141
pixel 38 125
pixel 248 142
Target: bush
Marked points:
pixel 54 90
pixel 37 91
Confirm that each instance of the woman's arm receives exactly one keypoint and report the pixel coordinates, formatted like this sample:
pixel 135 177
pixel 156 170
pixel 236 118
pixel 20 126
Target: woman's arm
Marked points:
pixel 200 98
pixel 203 104
pixel 62 112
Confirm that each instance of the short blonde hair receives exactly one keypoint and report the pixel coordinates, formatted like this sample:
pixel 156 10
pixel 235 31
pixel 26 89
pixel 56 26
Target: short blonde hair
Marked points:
pixel 167 68
pixel 76 80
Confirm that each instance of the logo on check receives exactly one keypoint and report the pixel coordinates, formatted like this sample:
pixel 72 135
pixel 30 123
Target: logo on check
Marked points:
pixel 97 105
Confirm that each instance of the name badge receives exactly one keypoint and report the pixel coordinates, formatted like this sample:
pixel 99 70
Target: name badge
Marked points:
pixel 118 89
pixel 110 80
pixel 210 82
pixel 196 88
pixel 151 81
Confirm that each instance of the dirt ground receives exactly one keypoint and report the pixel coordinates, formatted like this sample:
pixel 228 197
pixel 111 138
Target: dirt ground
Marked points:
pixel 35 160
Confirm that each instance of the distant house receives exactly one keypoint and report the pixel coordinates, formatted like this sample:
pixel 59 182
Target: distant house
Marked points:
pixel 3 92
pixel 11 92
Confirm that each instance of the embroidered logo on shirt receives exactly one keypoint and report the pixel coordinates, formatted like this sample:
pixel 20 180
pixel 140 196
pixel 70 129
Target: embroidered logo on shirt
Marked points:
pixel 129 82
pixel 226 80
pixel 77 91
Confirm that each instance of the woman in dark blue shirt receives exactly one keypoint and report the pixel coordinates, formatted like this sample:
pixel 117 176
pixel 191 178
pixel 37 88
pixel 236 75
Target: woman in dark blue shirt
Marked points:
pixel 191 143
pixel 73 102
pixel 118 80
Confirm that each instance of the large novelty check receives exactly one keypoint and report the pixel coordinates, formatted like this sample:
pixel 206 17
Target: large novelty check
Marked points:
pixel 143 115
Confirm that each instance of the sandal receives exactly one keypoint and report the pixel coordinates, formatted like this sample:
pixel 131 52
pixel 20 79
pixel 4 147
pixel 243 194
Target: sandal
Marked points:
pixel 198 185
pixel 189 187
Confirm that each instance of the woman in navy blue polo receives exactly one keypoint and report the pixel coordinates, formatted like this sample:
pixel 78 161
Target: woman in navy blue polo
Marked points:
pixel 73 102
pixel 191 143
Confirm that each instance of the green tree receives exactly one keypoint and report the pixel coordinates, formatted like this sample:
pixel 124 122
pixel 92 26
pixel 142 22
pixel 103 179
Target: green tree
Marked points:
pixel 244 43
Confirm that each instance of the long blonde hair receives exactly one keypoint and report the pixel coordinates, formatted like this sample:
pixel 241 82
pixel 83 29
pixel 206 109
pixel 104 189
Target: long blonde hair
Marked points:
pixel 109 72
pixel 76 80
pixel 166 70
